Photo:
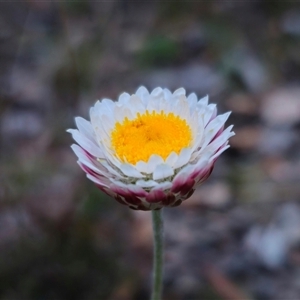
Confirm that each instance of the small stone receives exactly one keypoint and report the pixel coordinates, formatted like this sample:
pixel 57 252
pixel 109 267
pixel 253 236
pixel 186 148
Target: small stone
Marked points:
pixel 290 22
pixel 246 138
pixel 248 67
pixel 273 242
pixel 53 199
pixel 14 223
pixel 281 107
pixel 242 104
pixel 276 167
pixel 21 124
pixel 276 141
pixel 269 244
pixel 216 195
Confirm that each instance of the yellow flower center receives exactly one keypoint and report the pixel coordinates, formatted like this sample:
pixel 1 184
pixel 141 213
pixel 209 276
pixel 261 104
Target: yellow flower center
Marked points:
pixel 150 133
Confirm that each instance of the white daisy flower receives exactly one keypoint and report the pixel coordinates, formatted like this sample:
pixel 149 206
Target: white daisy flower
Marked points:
pixel 150 150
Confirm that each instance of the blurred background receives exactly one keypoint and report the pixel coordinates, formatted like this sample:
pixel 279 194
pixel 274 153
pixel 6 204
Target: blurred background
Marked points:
pixel 237 237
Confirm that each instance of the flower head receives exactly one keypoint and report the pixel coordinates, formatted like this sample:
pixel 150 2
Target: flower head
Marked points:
pixel 150 150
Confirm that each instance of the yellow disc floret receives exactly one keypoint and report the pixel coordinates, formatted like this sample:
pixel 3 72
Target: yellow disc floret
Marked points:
pixel 150 133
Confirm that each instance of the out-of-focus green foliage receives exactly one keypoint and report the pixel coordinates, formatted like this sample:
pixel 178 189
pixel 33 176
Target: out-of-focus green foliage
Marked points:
pixel 64 267
pixel 158 51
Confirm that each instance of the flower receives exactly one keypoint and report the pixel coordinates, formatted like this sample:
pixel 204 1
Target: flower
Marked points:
pixel 150 150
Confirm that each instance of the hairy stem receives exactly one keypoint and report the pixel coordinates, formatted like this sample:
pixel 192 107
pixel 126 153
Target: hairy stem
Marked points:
pixel 158 254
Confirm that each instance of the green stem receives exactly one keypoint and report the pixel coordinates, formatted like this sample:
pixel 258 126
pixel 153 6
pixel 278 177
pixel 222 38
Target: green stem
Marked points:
pixel 157 224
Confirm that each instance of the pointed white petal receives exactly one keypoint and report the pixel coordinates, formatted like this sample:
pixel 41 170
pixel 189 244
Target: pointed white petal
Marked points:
pixel 104 106
pixel 84 127
pixel 203 101
pixel 219 152
pixel 213 127
pixel 221 139
pixel 87 144
pixel 83 158
pixel 96 180
pixel 192 100
pixel 209 112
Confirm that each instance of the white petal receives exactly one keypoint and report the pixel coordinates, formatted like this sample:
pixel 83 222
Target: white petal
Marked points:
pixel 119 183
pixel 111 158
pixel 192 100
pixel 189 168
pixel 104 106
pixel 182 108
pixel 209 112
pixel 87 144
pixel 218 122
pixel 167 94
pixel 136 105
pixel 146 183
pixel 130 171
pixel 165 105
pixel 142 166
pixel 96 180
pixel 154 161
pixel 221 139
pixel 203 101
pixel 149 166
pixel 119 114
pixel 163 186
pixel 171 159
pixel 84 127
pixel 110 169
pixel 84 159
pixel 199 138
pixel 179 92
pixel 213 127
pixel 103 120
pixel 123 99
pixel 162 171
pixel 130 187
pixel 81 154
pixel 197 127
pixel 219 152
pixel 157 92
pixel 184 172
pixel 104 128
pixel 183 158
pixel 154 100
pixel 143 94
